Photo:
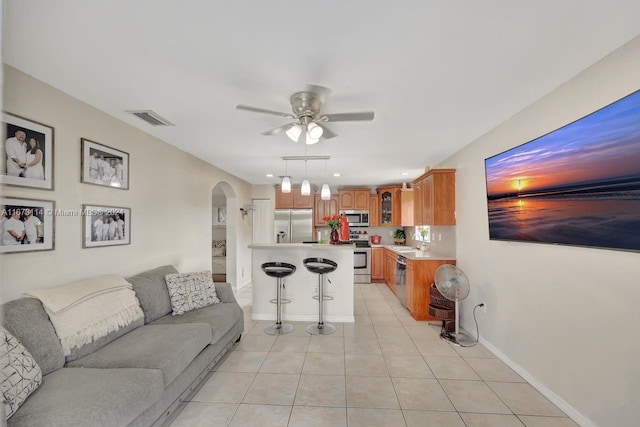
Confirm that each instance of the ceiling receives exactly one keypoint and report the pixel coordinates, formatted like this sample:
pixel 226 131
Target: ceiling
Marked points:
pixel 438 74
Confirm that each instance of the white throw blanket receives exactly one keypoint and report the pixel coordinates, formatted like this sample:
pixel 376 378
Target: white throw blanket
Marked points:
pixel 84 311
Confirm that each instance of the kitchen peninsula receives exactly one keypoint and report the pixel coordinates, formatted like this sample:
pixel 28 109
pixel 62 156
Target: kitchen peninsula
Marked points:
pixel 302 285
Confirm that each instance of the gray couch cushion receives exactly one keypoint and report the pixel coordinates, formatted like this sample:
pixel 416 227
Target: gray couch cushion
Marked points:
pixel 90 397
pixel 77 353
pixel 225 293
pixel 26 319
pixel 169 348
pixel 151 290
pixel 221 317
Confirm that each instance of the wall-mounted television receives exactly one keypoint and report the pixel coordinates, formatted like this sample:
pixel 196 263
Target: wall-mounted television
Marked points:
pixel 578 185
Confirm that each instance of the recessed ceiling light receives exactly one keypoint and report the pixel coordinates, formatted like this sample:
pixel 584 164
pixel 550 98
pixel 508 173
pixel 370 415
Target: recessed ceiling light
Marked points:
pixel 269 175
pixel 336 174
pixel 405 173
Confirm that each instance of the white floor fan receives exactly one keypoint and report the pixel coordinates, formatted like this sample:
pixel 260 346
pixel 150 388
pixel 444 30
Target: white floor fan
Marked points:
pixel 453 284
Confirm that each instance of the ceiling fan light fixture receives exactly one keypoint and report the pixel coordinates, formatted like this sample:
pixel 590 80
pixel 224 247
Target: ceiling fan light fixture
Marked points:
pixel 305 189
pixel 325 193
pixel 314 130
pixel 286 184
pixel 294 132
pixel 310 141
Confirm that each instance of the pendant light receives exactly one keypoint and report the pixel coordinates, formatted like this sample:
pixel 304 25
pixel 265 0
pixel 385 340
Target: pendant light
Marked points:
pixel 286 181
pixel 325 193
pixel 305 189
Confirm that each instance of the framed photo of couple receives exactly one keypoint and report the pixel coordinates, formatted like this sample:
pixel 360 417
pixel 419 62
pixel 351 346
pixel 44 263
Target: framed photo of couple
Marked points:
pixel 105 166
pixel 26 159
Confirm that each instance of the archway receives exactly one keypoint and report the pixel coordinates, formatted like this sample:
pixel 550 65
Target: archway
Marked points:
pixel 224 204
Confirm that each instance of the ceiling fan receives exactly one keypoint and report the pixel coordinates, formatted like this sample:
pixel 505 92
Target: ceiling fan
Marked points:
pixel 308 122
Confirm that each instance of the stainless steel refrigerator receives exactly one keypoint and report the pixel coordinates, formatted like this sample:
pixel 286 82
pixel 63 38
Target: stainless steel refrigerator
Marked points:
pixel 293 225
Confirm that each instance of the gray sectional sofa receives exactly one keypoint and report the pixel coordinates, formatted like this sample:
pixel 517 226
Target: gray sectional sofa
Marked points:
pixel 137 379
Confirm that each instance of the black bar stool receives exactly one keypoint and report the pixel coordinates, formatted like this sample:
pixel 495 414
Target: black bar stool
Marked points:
pixel 320 266
pixel 278 270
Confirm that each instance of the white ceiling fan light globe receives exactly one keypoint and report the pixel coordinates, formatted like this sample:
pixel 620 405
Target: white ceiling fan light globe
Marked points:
pixel 310 141
pixel 325 193
pixel 314 130
pixel 294 132
pixel 305 189
pixel 286 185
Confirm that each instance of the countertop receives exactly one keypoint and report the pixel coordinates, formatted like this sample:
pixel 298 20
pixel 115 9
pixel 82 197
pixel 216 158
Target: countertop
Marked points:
pixel 301 245
pixel 415 254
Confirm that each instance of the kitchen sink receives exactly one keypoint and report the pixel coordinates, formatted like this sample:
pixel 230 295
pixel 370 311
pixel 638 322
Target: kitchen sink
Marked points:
pixel 403 248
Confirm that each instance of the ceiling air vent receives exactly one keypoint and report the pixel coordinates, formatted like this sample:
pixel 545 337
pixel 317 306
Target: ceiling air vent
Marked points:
pixel 151 117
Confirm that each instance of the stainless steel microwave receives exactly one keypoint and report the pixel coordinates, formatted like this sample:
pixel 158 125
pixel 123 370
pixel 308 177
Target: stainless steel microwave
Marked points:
pixel 357 218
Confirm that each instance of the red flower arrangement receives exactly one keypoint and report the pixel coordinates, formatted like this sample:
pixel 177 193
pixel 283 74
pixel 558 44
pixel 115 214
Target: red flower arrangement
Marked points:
pixel 332 221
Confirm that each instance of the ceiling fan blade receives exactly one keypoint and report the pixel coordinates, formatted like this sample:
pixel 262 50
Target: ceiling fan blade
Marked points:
pixel 279 129
pixel 348 117
pixel 264 111
pixel 321 91
pixel 326 132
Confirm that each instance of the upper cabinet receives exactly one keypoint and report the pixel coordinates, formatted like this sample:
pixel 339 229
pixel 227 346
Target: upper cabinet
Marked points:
pixel 434 196
pixel 354 198
pixel 374 210
pixel 396 206
pixel 294 199
pixel 324 208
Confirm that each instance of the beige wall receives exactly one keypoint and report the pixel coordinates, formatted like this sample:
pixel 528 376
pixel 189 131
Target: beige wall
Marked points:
pixel 565 317
pixel 169 197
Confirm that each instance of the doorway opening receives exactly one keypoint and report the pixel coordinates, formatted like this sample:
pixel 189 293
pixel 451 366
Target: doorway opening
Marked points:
pixel 223 233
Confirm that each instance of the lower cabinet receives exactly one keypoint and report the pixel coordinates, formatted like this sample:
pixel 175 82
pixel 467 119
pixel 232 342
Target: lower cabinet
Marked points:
pixel 420 276
pixel 390 269
pixel 377 264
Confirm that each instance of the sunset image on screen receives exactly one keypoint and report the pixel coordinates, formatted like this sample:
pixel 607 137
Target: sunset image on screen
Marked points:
pixel 589 169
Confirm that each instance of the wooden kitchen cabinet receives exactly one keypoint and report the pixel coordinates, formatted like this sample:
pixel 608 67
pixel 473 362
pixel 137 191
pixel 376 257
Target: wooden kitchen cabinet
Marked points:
pixel 294 199
pixel 390 269
pixel 420 276
pixel 354 198
pixel 377 264
pixel 374 210
pixel 324 208
pixel 406 203
pixel 392 206
pixel 435 198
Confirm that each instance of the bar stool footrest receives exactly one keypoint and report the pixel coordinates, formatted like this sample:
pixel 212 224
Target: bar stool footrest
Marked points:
pixel 324 298
pixel 282 301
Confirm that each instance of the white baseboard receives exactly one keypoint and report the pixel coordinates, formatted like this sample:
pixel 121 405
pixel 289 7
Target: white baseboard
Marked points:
pixel 303 318
pixel 535 383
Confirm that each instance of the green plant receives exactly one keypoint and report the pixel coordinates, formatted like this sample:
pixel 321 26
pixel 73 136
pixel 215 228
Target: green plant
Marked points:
pixel 399 234
pixel 424 233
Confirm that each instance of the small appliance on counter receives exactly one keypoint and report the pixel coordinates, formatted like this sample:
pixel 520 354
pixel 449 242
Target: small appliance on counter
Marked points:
pixel 375 240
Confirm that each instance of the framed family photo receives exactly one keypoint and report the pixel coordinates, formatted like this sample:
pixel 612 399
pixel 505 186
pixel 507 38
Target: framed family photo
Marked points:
pixel 102 165
pixel 27 153
pixel 27 225
pixel 105 226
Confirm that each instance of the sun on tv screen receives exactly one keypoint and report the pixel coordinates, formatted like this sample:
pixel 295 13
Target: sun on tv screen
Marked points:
pixel 578 185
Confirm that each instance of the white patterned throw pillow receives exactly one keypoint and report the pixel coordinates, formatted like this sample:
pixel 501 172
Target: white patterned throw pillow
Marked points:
pixel 191 291
pixel 20 375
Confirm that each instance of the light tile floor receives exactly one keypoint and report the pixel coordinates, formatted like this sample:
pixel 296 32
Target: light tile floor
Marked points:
pixel 386 369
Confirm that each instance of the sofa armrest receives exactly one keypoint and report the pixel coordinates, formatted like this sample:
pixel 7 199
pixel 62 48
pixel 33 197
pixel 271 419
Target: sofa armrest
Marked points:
pixel 225 293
